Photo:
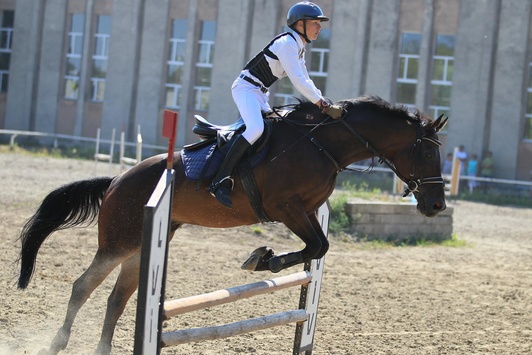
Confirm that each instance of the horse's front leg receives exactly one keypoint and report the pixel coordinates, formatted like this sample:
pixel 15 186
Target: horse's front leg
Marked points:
pixel 306 227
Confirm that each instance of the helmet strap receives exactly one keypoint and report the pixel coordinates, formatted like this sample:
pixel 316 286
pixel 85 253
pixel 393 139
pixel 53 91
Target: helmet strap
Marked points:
pixel 304 34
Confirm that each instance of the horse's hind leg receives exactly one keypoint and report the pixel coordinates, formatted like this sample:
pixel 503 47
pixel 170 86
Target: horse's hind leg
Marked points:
pixel 125 286
pixel 98 270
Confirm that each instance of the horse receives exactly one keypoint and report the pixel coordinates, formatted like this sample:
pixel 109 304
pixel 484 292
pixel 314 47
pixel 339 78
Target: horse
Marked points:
pixel 306 152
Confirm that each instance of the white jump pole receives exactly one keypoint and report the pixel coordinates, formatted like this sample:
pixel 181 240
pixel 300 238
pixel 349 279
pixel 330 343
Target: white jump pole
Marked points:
pixel 228 295
pixel 232 329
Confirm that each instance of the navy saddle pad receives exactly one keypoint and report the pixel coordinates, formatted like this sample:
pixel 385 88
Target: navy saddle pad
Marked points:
pixel 203 163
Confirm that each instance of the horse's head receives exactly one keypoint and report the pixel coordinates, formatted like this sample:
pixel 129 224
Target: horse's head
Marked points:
pixel 419 166
pixel 406 140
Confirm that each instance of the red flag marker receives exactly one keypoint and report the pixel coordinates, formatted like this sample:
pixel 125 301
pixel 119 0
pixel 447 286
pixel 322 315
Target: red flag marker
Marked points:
pixel 169 131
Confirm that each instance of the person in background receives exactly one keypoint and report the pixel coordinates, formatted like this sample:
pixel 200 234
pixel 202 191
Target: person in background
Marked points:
pixel 447 166
pixel 461 155
pixel 472 168
pixel 486 168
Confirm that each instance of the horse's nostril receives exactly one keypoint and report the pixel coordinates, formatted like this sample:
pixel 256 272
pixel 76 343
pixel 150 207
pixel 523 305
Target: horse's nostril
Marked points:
pixel 439 206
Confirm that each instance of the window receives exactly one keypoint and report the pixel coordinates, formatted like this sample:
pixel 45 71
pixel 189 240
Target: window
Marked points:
pixel 6 41
pixel 176 63
pixel 528 114
pixel 284 93
pixel 408 68
pixel 319 59
pixel 442 77
pixel 73 56
pixel 204 65
pixel 99 58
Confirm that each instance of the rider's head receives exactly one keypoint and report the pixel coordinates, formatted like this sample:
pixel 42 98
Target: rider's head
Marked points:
pixel 304 13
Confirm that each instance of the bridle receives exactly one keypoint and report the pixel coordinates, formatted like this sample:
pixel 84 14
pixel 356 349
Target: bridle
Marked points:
pixel 412 184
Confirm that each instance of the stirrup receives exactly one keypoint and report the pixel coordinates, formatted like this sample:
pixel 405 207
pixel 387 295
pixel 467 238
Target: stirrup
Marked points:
pixel 213 187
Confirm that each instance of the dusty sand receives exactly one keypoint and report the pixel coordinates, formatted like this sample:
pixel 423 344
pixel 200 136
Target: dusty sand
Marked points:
pixel 409 300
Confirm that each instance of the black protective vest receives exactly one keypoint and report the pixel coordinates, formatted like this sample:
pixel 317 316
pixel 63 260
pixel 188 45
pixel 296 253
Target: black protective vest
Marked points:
pixel 259 67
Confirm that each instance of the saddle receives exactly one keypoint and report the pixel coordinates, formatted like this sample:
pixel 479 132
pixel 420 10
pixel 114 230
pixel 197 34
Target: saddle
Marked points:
pixel 223 135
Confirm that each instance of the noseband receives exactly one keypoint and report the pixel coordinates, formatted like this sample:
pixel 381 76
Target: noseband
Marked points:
pixel 412 184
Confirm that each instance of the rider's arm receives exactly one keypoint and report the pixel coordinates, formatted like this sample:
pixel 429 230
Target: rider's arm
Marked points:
pixel 296 71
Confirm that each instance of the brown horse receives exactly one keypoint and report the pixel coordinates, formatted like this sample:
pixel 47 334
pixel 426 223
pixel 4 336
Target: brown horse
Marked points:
pixel 306 152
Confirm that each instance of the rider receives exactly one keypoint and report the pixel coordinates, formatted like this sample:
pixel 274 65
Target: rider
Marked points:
pixel 284 56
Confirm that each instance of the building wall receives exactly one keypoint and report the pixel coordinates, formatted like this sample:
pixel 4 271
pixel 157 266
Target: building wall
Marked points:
pixel 488 100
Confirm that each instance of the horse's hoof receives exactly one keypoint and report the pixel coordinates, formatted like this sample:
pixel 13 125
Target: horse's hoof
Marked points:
pixel 258 259
pixel 59 342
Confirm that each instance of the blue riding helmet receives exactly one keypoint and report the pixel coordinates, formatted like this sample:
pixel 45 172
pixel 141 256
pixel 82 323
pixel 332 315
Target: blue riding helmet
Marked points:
pixel 304 10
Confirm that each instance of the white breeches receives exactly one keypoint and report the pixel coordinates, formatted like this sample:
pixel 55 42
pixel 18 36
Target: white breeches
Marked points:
pixel 250 102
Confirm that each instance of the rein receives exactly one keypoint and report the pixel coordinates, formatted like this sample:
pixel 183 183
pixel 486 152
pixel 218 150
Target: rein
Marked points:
pixel 412 184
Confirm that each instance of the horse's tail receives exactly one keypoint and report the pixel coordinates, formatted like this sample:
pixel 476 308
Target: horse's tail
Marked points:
pixel 74 204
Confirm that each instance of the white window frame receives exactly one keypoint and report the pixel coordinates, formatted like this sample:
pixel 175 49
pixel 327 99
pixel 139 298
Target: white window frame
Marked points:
pixel 207 45
pixel 98 90
pixel 9 32
pixel 75 93
pixel 198 94
pixel 321 72
pixel 4 74
pixel 73 38
pixel 404 69
pixel 203 63
pixel 528 115
pixel 322 52
pixel 98 84
pixel 173 61
pixel 444 82
pixel 175 89
pixel 402 77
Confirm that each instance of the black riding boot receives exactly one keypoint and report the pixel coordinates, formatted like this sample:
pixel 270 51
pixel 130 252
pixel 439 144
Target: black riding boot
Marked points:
pixel 222 184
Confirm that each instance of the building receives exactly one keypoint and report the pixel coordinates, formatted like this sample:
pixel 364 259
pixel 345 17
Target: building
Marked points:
pixel 71 66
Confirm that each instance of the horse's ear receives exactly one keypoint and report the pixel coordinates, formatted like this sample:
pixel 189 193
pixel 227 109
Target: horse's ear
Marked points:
pixel 439 123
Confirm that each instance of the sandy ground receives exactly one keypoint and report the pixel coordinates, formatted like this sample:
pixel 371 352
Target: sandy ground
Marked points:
pixel 410 300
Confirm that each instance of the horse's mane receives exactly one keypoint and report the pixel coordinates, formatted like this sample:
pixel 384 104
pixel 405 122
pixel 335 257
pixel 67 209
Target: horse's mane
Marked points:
pixel 379 104
pixel 363 102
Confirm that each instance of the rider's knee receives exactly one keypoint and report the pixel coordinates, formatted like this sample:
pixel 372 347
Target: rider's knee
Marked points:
pixel 253 131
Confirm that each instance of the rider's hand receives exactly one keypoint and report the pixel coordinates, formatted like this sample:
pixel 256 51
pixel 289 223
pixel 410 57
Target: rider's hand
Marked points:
pixel 334 111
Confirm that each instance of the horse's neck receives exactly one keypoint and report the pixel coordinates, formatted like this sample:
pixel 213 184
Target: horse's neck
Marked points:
pixel 375 136
pixel 276 114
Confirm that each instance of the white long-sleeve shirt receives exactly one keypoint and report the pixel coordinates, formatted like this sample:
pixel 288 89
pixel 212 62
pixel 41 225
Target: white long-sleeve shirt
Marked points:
pixel 291 64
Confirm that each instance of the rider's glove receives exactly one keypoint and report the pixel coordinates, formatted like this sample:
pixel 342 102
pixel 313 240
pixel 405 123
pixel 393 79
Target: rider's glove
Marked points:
pixel 334 111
